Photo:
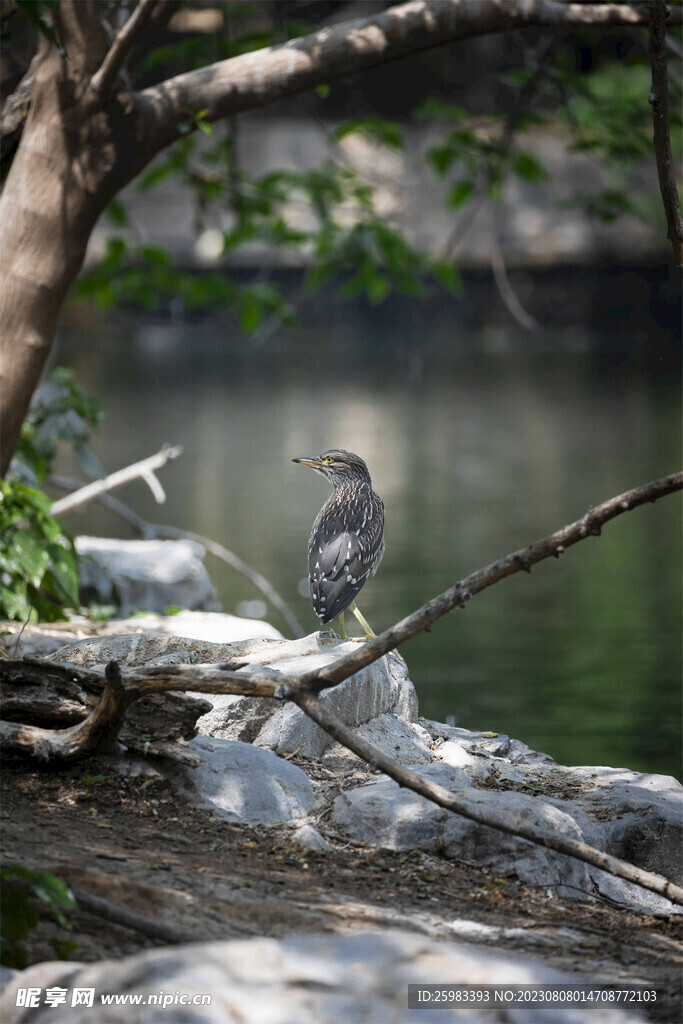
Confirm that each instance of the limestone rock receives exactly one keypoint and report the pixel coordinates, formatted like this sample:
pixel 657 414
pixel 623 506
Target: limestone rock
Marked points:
pixel 148 574
pixel 308 838
pixel 383 687
pixel 215 627
pixel 405 742
pixel 245 783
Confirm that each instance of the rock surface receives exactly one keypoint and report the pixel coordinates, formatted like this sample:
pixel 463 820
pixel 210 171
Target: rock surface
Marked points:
pixel 147 574
pixel 361 978
pixel 383 687
pixel 246 784
pixel 633 816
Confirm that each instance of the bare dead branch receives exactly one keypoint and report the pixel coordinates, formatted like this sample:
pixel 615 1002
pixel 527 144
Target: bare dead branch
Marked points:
pixel 469 806
pixel 97 732
pixel 659 98
pixel 138 470
pixel 103 79
pixel 115 914
pixel 155 530
pixel 456 597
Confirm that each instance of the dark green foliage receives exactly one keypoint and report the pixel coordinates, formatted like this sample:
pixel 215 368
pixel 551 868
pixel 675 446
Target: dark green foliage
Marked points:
pixel 20 888
pixel 38 566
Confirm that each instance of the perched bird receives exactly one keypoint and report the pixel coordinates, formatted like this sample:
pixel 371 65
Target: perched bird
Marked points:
pixel 347 539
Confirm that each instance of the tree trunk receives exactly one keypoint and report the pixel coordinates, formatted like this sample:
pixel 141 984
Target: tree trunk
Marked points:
pixel 48 207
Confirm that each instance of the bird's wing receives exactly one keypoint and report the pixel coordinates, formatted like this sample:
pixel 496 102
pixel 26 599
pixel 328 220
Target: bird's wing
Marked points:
pixel 336 568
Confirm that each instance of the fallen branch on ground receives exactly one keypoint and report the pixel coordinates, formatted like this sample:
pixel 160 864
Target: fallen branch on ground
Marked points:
pixel 122 689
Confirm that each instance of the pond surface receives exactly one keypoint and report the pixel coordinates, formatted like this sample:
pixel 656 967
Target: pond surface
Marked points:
pixel 480 439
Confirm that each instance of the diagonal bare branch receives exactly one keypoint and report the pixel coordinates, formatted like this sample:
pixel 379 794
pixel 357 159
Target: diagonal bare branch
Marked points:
pixel 103 79
pixel 138 470
pixel 456 597
pixel 151 531
pixel 659 98
pixel 467 805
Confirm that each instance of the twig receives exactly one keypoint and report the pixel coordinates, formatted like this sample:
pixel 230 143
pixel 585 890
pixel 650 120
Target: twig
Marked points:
pixel 471 806
pixel 659 98
pixel 152 530
pixel 102 80
pixel 139 470
pixel 115 914
pixel 505 289
pixel 456 597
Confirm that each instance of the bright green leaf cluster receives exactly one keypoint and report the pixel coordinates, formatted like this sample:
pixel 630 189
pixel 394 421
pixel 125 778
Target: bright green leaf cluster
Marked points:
pixel 38 573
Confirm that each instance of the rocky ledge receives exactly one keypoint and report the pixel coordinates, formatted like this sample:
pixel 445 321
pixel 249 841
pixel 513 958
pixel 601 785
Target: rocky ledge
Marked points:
pixel 259 761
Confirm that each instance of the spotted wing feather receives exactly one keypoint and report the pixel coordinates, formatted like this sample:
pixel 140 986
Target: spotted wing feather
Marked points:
pixel 345 548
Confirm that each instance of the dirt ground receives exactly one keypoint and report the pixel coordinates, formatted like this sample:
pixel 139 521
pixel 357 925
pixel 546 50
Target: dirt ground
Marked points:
pixel 133 842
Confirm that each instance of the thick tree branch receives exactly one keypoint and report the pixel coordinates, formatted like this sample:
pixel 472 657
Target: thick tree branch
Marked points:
pixel 263 76
pixel 103 79
pixel 659 98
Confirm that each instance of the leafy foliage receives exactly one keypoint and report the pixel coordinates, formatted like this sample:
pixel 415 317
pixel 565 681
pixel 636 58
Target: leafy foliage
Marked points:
pixel 345 235
pixel 330 215
pixel 38 564
pixel 18 914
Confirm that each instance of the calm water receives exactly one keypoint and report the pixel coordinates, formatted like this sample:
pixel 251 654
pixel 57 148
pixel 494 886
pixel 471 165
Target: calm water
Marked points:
pixel 479 440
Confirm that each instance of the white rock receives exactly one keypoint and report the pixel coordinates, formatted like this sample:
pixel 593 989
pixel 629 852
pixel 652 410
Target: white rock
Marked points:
pixel 136 649
pixel 245 783
pixel 216 627
pixel 380 688
pixel 405 742
pixel 361 978
pixel 149 574
pixel 308 838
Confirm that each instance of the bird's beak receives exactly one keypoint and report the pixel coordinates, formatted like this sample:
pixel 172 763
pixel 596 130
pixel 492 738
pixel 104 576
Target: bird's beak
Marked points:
pixel 314 463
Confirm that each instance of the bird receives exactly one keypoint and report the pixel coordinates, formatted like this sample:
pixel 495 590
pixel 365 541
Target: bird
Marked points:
pixel 347 539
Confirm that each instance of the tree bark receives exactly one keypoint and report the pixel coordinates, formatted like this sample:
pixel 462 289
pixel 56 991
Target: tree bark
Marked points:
pixel 80 146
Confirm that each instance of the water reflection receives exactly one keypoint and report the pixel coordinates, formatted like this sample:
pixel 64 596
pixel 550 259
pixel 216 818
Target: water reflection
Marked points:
pixel 475 452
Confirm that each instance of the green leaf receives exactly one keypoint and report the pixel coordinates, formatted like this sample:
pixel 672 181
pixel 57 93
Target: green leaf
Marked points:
pixel 388 133
pixel 528 167
pixel 27 556
pixel 448 276
pixel 116 213
pixel 442 158
pixel 459 194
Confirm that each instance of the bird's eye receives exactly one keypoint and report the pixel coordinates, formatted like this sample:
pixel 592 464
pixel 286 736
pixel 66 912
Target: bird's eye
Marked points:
pixel 327 461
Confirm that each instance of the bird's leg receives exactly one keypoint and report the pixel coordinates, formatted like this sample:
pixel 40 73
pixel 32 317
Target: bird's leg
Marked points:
pixel 368 629
pixel 342 630
pixel 369 632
